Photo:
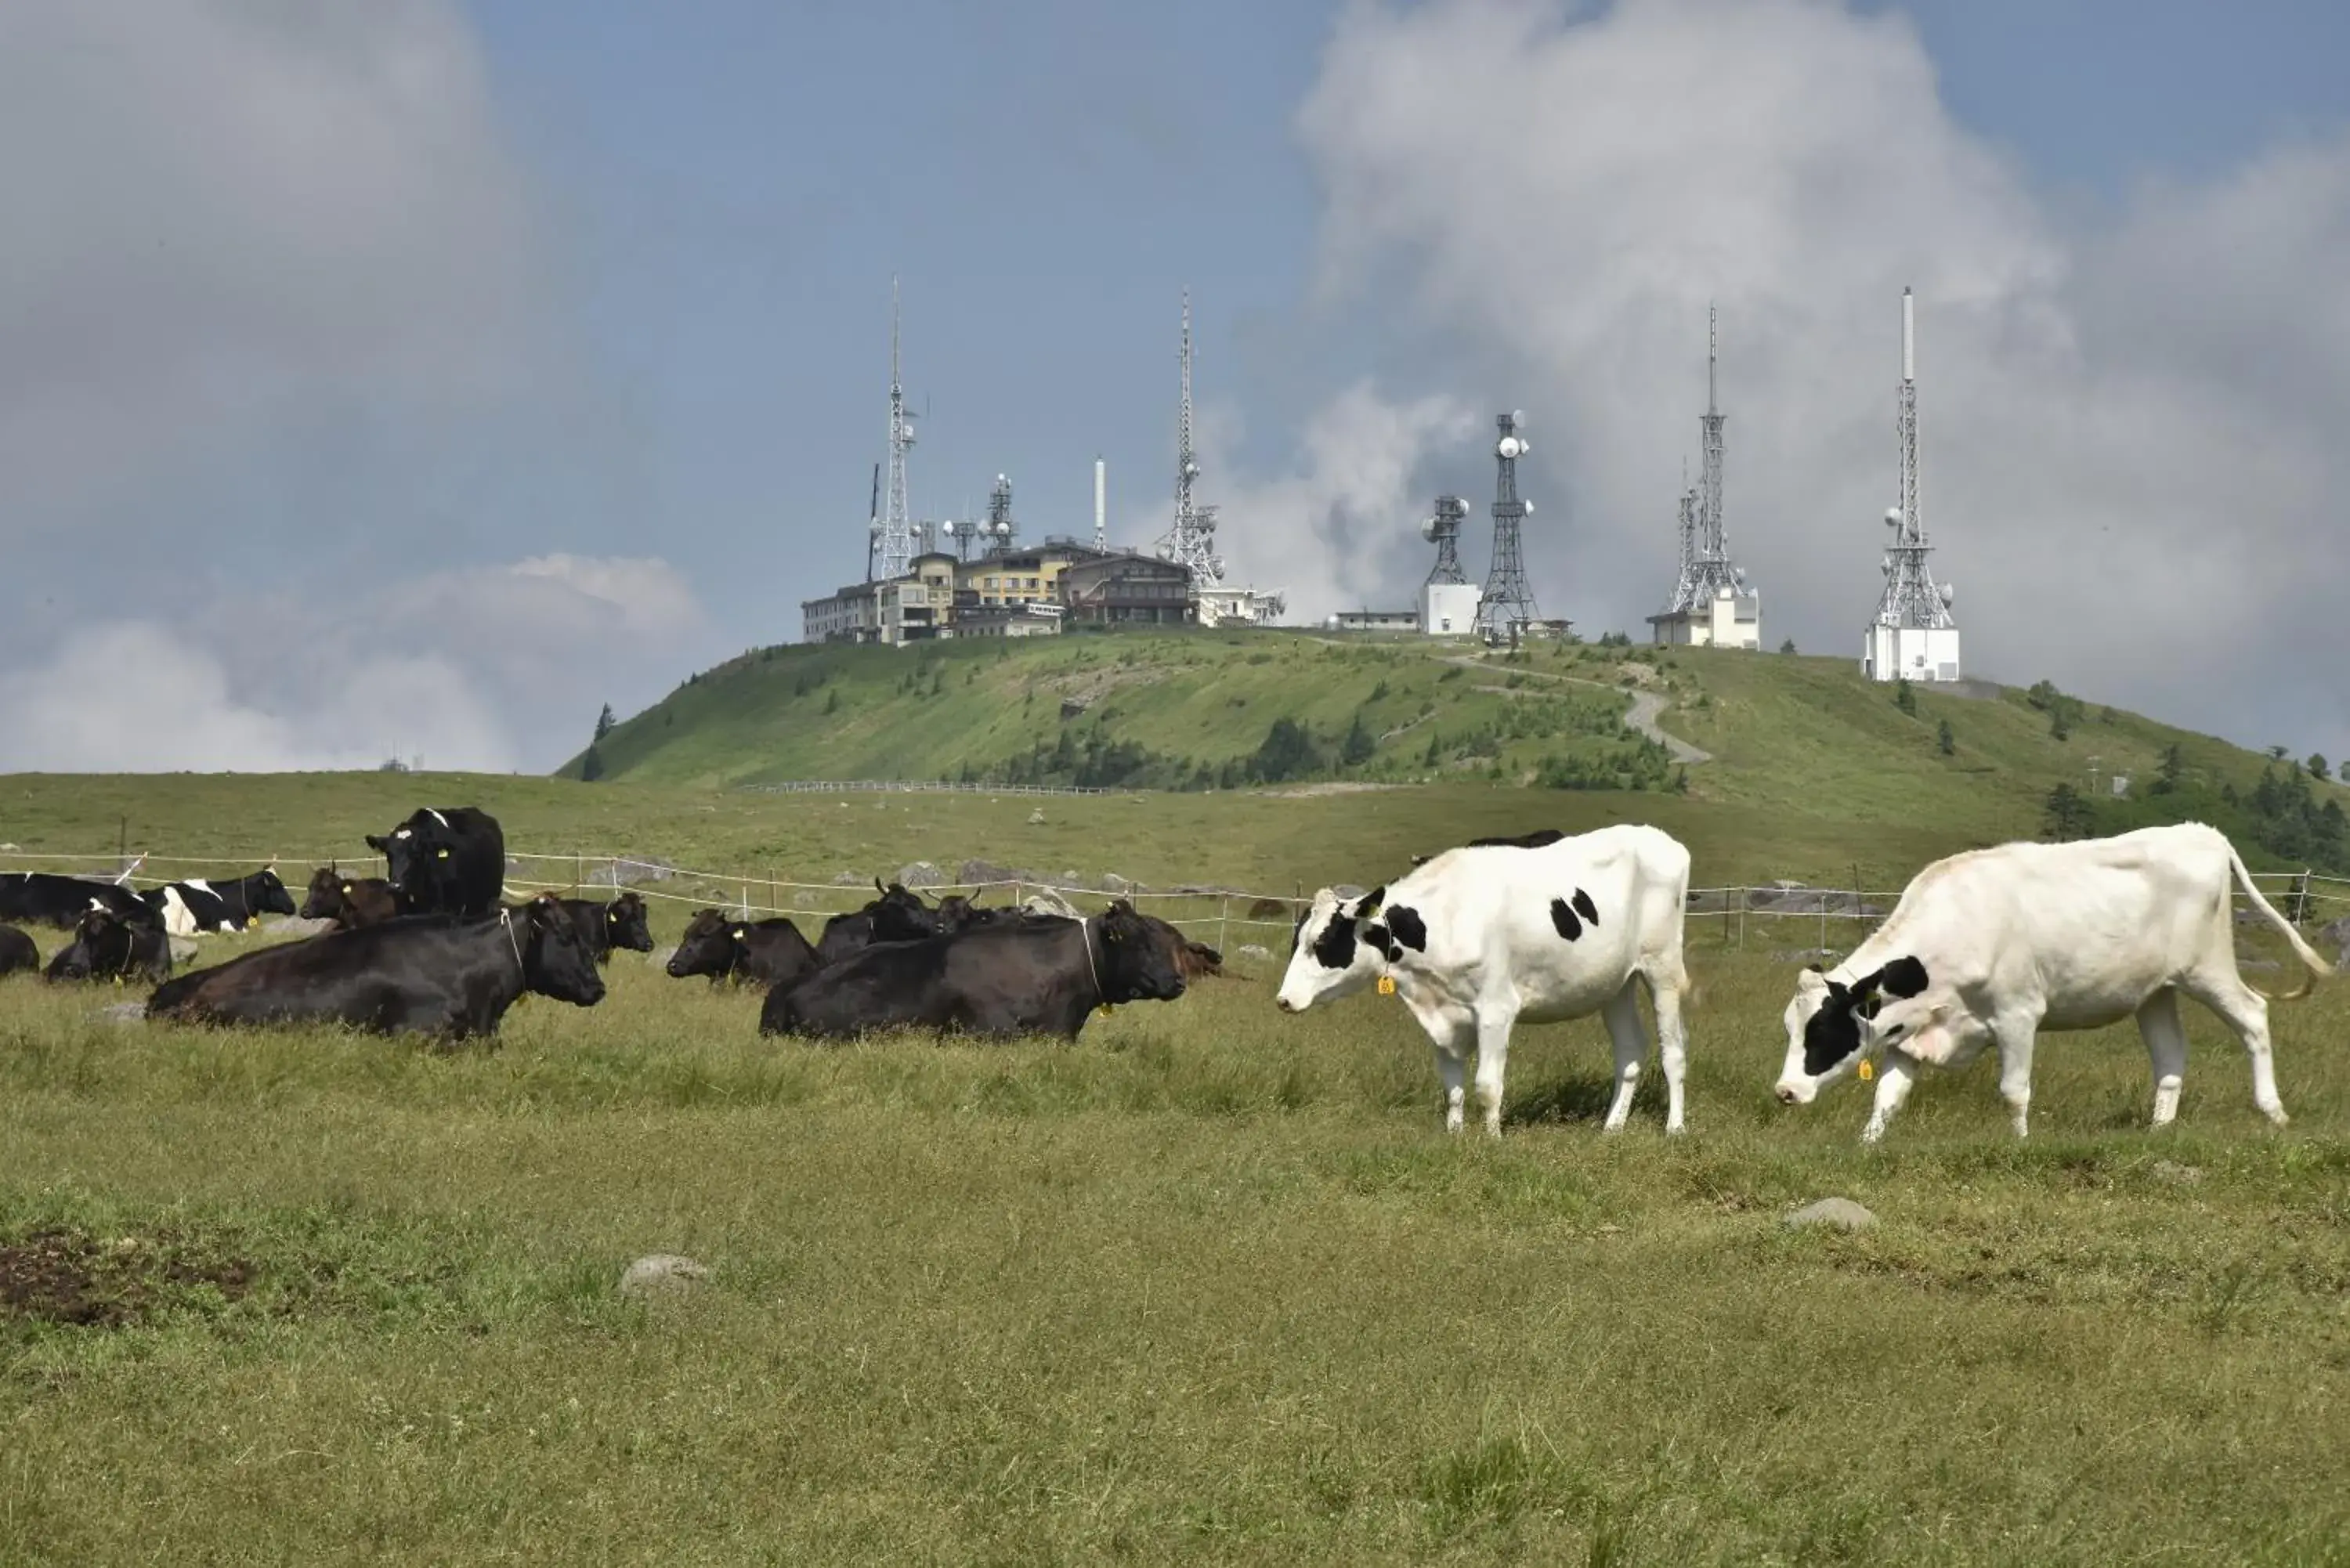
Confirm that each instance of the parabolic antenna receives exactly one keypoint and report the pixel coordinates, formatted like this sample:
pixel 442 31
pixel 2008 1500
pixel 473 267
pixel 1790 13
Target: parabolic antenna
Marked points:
pixel 1893 518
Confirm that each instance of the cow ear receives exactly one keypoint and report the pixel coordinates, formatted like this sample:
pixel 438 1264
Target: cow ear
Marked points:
pixel 1371 902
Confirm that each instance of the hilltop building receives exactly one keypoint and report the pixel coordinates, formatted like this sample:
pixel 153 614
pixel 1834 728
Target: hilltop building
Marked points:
pixel 1022 591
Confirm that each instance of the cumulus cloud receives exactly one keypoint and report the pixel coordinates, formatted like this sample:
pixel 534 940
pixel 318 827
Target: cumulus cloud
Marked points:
pixel 2130 423
pixel 495 668
pixel 1340 529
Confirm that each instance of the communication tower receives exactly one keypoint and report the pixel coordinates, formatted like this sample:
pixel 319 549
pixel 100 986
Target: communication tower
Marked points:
pixel 1191 542
pixel 1915 635
pixel 1443 531
pixel 1711 603
pixel 894 537
pixel 996 532
pixel 1507 605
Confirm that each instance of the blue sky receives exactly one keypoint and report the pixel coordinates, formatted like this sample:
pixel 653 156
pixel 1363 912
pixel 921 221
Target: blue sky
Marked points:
pixel 439 340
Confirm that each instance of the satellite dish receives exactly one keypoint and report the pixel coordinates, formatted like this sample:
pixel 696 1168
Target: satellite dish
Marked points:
pixel 1527 507
pixel 1001 479
pixel 1005 529
pixel 1517 416
pixel 1330 623
pixel 1427 529
pixel 948 529
pixel 1949 594
pixel 874 529
pixel 1216 567
pixel 1893 518
pixel 1509 446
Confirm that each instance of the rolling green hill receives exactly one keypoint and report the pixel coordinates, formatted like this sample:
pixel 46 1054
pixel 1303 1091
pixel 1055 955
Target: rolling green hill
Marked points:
pixel 1790 738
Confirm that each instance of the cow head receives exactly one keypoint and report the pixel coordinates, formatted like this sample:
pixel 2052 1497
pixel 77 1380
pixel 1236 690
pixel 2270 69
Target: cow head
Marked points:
pixel 707 948
pixel 555 961
pixel 1328 958
pixel 625 923
pixel 957 913
pixel 265 894
pixel 419 861
pixel 1135 963
pixel 326 894
pixel 1833 1024
pixel 900 916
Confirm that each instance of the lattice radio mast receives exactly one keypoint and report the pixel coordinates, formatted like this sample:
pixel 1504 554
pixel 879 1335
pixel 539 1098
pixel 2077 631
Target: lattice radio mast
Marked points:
pixel 1509 602
pixel 1685 580
pixel 1443 530
pixel 894 535
pixel 1912 598
pixel 1191 542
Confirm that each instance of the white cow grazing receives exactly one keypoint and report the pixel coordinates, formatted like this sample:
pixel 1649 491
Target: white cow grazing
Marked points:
pixel 1990 947
pixel 1482 937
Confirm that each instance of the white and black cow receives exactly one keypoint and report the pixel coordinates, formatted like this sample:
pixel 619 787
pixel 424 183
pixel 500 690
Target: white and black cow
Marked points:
pixel 196 906
pixel 1482 937
pixel 1990 947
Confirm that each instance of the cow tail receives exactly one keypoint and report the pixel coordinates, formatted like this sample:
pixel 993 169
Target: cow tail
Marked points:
pixel 2317 966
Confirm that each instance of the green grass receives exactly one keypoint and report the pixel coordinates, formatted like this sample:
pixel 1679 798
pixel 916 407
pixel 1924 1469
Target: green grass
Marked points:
pixel 1803 747
pixel 1210 1285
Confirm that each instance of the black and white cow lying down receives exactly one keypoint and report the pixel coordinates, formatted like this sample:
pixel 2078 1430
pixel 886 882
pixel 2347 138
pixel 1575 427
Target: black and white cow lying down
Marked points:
pixel 1029 976
pixel 1993 946
pixel 425 974
pixel 43 898
pixel 198 906
pixel 1481 937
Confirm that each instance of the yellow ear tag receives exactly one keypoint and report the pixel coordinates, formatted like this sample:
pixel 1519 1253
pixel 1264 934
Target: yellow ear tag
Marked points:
pixel 1386 985
pixel 740 933
pixel 444 854
pixel 1866 1070
pixel 1107 1009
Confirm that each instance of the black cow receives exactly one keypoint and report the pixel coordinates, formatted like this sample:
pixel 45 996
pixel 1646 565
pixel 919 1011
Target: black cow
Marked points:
pixel 618 924
pixel 1028 977
pixel 764 952
pixel 450 861
pixel 106 947
pixel 957 913
pixel 350 901
pixel 898 915
pixel 18 951
pixel 427 974
pixel 194 906
pixel 61 901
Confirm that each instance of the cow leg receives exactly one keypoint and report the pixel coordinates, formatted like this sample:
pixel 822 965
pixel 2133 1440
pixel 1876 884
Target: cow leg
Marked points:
pixel 1672 1041
pixel 2166 1046
pixel 1455 1035
pixel 1895 1079
pixel 1622 1014
pixel 2016 1038
pixel 1492 1059
pixel 1452 1067
pixel 2246 1012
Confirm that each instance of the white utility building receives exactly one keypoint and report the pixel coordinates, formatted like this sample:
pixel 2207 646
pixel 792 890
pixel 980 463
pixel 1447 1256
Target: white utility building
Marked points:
pixel 1449 610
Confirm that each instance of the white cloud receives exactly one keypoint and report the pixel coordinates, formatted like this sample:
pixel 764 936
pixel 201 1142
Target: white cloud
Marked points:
pixel 493 670
pixel 2130 427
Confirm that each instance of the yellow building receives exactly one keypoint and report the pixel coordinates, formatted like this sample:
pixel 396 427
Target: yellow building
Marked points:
pixel 1021 576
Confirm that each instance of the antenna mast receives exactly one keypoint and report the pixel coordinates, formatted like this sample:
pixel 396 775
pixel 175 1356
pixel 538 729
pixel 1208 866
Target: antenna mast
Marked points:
pixel 1509 603
pixel 1912 598
pixel 1191 542
pixel 893 533
pixel 1444 530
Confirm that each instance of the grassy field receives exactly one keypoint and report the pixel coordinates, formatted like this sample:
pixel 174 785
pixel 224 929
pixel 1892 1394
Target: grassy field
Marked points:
pixel 1210 1285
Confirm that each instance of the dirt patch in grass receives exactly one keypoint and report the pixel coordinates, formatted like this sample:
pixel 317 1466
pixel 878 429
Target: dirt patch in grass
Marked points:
pixel 66 1276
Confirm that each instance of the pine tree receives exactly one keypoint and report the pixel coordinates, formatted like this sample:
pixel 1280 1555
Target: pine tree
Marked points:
pixel 1945 740
pixel 604 721
pixel 1905 697
pixel 1358 745
pixel 591 765
pixel 1788 646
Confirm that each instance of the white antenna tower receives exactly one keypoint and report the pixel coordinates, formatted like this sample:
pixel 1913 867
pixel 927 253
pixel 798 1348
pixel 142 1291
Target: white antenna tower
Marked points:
pixel 1443 531
pixel 1685 580
pixel 891 552
pixel 1101 506
pixel 1191 542
pixel 1912 598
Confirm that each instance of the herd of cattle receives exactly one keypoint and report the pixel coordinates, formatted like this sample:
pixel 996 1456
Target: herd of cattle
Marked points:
pixel 1986 949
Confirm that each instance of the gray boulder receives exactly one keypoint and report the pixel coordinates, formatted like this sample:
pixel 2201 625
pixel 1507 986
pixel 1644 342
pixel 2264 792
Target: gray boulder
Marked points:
pixel 920 874
pixel 1835 1213
pixel 661 1274
pixel 295 926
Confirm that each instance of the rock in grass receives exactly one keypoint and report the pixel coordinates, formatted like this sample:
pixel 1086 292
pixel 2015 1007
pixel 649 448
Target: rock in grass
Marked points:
pixel 124 1012
pixel 2178 1175
pixel 661 1274
pixel 295 926
pixel 1252 951
pixel 1837 1213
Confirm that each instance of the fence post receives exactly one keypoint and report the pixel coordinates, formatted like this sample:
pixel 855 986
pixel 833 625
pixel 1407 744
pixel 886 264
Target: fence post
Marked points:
pixel 1223 924
pixel 2301 898
pixel 1742 920
pixel 578 872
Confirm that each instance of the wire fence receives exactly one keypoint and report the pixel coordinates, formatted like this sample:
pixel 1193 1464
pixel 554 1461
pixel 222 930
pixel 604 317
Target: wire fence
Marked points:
pixel 911 786
pixel 1774 915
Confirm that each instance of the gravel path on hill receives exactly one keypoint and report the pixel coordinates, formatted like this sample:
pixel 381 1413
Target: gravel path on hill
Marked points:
pixel 1641 720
